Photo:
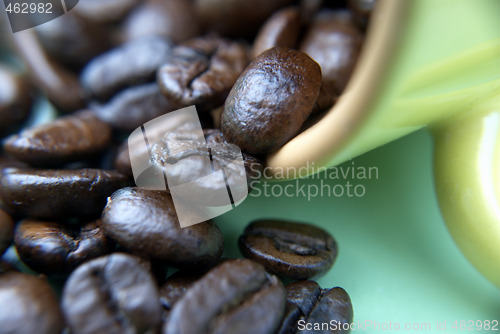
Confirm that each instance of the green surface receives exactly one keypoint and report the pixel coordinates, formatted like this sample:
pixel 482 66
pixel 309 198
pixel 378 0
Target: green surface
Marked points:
pixel 396 258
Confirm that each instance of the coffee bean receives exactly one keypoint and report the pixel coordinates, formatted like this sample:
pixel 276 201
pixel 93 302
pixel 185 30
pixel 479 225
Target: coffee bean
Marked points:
pixel 133 107
pixel 108 11
pixel 237 18
pixel 361 10
pixel 175 287
pixel 73 40
pixel 202 71
pixel 301 298
pixel 15 99
pixel 309 8
pixel 176 20
pixel 271 100
pixel 61 86
pixel 6 231
pixel 253 166
pixel 29 305
pixel 294 250
pixel 308 303
pixel 64 140
pixel 111 294
pixel 237 296
pixel 145 223
pixel 281 29
pixel 187 158
pixel 57 193
pixel 56 249
pixel 128 65
pixel 335 43
pixel 334 307
pixel 6 266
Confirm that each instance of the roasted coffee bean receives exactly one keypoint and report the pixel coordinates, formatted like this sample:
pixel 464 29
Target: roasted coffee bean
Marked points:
pixel 6 266
pixel 301 298
pixel 253 165
pixel 61 86
pixel 105 11
pixel 64 140
pixel 176 20
pixel 145 223
pixel 308 303
pixel 111 294
pixel 309 8
pixel 333 306
pixel 6 231
pixel 29 305
pixel 295 250
pixel 237 18
pixel 237 296
pixel 335 43
pixel 361 10
pixel 56 249
pixel 202 71
pixel 57 193
pixel 281 29
pixel 133 107
pixel 187 158
pixel 271 100
pixel 15 99
pixel 128 65
pixel 72 40
pixel 175 287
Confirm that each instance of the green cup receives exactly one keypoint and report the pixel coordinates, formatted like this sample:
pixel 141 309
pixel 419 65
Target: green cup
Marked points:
pixel 425 63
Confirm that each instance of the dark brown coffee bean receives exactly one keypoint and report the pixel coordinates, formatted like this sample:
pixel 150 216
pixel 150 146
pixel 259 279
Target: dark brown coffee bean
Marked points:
pixel 281 29
pixel 176 20
pixel 29 305
pixel 52 194
pixel 73 40
pixel 301 298
pixel 295 250
pixel 202 71
pixel 6 266
pixel 237 296
pixel 309 8
pixel 334 307
pixel 175 287
pixel 187 158
pixel 56 249
pixel 335 43
pixel 253 166
pixel 361 10
pixel 133 107
pixel 122 160
pixel 237 18
pixel 15 99
pixel 105 11
pixel 145 222
pixel 64 140
pixel 111 294
pixel 271 100
pixel 61 86
pixel 6 231
pixel 128 65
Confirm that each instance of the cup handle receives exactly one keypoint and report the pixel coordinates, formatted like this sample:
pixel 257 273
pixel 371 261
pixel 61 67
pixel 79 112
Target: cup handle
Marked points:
pixel 467 179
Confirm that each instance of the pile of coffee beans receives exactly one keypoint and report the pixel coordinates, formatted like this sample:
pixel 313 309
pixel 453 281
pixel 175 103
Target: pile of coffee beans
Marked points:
pixel 84 251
